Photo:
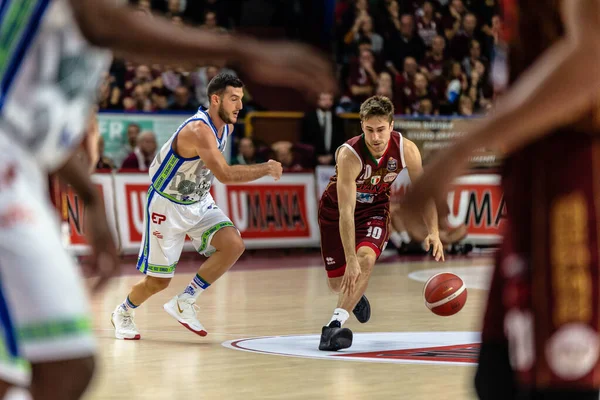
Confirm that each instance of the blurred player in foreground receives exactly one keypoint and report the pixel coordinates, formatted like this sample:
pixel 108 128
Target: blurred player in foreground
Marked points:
pixel 354 213
pixel 49 77
pixel 179 204
pixel 540 337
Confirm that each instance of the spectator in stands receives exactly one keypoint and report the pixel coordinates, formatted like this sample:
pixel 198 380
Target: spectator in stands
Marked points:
pixel 142 76
pixel 363 29
pixel 363 78
pixel 453 18
pixel 450 87
pixel 465 107
pixel 104 163
pixel 175 7
pixel 480 90
pixel 491 37
pixel 182 100
pixel 172 77
pixel 404 84
pixel 142 155
pixel 475 56
pixel 323 129
pixel 426 108
pixel 404 44
pixel 434 62
pixel 285 153
pixel 459 45
pixel 428 26
pixel 385 87
pixel 109 94
pixel 246 153
pixel 420 93
pixel 210 23
pixel 139 100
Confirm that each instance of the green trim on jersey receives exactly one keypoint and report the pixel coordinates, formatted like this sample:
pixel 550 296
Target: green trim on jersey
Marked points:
pixel 161 269
pixel 209 232
pixel 14 25
pixel 55 329
pixel 174 200
pixel 169 166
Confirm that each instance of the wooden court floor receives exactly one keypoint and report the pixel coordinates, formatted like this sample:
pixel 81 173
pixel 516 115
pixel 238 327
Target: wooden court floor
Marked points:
pixel 282 296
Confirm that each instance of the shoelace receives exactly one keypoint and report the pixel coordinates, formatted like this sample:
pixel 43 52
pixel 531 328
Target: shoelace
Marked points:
pixel 191 310
pixel 128 322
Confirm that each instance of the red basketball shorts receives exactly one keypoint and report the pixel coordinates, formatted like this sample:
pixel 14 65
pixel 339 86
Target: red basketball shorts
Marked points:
pixel 371 231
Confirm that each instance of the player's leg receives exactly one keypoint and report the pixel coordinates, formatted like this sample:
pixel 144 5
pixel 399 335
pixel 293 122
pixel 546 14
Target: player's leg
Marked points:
pixel 216 237
pixel 371 236
pixel 332 252
pixel 43 306
pixel 163 240
pixel 494 378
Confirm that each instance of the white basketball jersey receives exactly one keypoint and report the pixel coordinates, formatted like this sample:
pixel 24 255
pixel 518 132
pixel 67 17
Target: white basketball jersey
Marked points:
pixel 49 76
pixel 184 180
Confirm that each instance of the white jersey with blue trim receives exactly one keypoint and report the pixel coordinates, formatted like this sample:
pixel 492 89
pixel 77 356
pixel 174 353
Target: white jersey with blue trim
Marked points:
pixel 184 180
pixel 49 77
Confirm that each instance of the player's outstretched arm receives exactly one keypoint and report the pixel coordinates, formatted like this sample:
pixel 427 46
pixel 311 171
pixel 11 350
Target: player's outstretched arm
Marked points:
pixel 414 163
pixel 348 168
pixel 119 27
pixel 202 139
pixel 556 90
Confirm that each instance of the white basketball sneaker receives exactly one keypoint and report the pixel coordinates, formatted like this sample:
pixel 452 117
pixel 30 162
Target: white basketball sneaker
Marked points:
pixel 184 311
pixel 124 326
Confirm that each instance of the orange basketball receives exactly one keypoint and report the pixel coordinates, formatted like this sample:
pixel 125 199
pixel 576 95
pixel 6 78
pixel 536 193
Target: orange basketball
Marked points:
pixel 445 294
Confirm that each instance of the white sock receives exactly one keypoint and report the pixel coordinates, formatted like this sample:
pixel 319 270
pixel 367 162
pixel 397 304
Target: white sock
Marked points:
pixel 396 239
pixel 405 237
pixel 340 315
pixel 196 286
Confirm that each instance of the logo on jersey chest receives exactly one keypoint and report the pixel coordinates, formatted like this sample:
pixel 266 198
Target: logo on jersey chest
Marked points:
pixel 375 179
pixel 392 164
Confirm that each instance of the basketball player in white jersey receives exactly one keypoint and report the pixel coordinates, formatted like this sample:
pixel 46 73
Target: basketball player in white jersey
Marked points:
pixel 179 204
pixel 49 73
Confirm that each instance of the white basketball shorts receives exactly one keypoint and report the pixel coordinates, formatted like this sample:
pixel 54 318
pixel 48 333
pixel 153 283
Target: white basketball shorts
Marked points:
pixel 44 312
pixel 166 225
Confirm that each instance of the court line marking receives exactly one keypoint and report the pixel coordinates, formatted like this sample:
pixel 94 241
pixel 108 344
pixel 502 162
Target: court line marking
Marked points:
pixel 331 355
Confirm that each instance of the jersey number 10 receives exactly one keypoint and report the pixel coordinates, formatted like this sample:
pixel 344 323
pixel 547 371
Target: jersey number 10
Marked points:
pixel 374 232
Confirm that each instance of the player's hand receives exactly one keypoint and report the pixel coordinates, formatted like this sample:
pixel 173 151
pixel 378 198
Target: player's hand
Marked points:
pixel 275 169
pixel 105 260
pixel 432 241
pixel 289 65
pixel 351 276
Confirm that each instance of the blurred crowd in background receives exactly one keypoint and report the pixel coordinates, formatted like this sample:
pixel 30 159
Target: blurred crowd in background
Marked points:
pixel 431 57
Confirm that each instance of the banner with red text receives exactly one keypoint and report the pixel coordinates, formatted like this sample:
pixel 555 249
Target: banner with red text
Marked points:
pixel 268 214
pixel 76 212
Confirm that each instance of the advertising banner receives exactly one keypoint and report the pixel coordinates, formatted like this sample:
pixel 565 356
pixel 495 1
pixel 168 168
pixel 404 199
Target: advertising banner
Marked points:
pixel 76 212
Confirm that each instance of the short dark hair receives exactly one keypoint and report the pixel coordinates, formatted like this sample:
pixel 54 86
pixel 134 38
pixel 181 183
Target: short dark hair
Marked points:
pixel 377 106
pixel 219 83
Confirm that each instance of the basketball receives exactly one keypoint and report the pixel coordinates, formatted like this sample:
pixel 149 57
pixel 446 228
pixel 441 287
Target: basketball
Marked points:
pixel 445 294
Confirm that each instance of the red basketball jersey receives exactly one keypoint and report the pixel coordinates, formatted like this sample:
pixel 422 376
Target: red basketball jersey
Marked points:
pixel 373 184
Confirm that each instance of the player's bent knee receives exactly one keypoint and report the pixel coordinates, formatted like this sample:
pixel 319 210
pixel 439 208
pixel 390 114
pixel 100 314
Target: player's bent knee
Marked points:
pixel 366 259
pixel 156 285
pixel 49 378
pixel 237 246
pixel 335 284
pixel 229 241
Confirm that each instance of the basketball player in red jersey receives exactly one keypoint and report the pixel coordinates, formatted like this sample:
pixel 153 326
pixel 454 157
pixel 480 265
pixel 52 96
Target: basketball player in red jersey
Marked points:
pixel 540 338
pixel 354 216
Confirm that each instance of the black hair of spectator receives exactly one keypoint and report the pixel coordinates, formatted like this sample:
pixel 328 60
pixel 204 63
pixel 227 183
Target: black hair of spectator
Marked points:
pixel 219 83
